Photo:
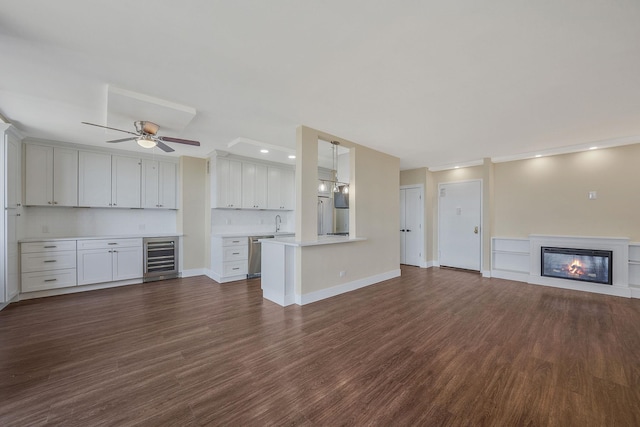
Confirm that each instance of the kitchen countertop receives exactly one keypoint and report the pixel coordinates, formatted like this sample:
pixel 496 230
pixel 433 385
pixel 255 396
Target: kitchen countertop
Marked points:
pixel 254 233
pixel 322 240
pixel 123 236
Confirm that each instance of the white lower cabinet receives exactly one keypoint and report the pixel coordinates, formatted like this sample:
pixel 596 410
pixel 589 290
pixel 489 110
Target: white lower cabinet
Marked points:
pixel 48 265
pixel 230 258
pixel 110 260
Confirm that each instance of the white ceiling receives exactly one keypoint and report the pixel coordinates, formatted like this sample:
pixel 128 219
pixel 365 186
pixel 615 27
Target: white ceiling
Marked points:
pixel 431 82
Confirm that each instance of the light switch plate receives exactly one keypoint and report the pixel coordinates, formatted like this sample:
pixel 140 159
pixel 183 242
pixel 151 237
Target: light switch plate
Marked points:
pixel 593 195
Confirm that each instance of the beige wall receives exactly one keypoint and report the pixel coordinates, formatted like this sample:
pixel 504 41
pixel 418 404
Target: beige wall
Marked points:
pixel 192 213
pixel 374 214
pixel 548 195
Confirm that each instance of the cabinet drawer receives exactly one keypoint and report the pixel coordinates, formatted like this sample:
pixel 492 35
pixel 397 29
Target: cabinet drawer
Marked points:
pixel 58 245
pixel 235 268
pixel 235 241
pixel 48 261
pixel 235 253
pixel 42 280
pixel 109 243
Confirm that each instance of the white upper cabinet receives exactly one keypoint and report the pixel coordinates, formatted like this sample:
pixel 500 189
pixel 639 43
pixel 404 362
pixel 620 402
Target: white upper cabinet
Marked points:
pixel 126 182
pixel 281 189
pixel 94 179
pixel 254 186
pixel 14 189
pixel 168 185
pixel 51 176
pixel 227 188
pixel 159 185
pixel 108 181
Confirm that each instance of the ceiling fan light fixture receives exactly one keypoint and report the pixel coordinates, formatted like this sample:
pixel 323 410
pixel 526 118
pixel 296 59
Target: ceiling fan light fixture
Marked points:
pixel 146 142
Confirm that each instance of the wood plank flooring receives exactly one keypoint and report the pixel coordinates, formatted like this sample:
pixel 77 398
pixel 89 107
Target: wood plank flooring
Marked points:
pixel 434 347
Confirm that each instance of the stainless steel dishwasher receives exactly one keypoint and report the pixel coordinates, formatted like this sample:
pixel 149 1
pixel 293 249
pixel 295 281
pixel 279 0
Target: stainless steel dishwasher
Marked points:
pixel 255 256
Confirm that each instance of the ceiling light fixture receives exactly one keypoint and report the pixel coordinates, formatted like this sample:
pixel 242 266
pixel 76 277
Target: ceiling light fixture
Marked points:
pixel 593 148
pixel 146 141
pixel 538 155
pixel 264 151
pixel 291 156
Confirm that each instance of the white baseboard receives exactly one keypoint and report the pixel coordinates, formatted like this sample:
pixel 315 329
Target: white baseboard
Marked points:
pixel 345 287
pixel 4 304
pixel 635 291
pixel 214 276
pixel 435 263
pixel 278 298
pixel 486 273
pixel 427 264
pixel 75 289
pixel 510 275
pixel 194 272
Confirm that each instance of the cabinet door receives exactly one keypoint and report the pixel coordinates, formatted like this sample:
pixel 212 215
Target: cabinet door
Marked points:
pixel 95 266
pixel 228 183
pixel 126 178
pixel 167 185
pixel 261 187
pixel 249 186
pixel 38 175
pixel 273 188
pixel 65 177
pixel 94 179
pixel 150 178
pixel 288 189
pixel 14 191
pixel 127 263
pixel 13 258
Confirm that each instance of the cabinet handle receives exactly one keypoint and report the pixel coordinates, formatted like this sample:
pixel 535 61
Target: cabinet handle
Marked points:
pixel 236 268
pixel 235 253
pixel 112 243
pixel 50 260
pixel 51 280
pixel 55 203
pixel 115 204
pixel 18 204
pixel 50 203
pixel 50 247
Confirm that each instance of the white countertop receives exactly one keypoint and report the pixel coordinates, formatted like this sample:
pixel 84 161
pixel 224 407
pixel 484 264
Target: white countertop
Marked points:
pixel 254 233
pixel 123 236
pixel 322 240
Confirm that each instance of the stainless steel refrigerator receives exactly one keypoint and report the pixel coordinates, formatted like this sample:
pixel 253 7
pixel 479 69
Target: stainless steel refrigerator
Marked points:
pixel 325 215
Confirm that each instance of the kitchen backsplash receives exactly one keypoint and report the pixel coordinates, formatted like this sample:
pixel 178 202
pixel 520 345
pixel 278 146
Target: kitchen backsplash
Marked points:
pixel 250 221
pixel 82 222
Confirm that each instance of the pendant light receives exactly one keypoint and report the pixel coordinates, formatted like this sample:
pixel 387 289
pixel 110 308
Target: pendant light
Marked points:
pixel 335 144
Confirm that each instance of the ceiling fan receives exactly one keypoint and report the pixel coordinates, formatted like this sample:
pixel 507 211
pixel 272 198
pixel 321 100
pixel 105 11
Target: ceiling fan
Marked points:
pixel 146 136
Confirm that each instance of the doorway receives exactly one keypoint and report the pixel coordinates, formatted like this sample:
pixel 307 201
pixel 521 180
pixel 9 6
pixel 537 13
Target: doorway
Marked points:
pixel 459 221
pixel 411 227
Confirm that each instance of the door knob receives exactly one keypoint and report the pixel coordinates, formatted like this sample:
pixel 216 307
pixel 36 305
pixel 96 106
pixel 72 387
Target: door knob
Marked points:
pixel 475 230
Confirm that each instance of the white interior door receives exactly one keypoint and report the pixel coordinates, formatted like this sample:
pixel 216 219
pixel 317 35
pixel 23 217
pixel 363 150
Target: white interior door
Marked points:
pixel 459 220
pixel 411 231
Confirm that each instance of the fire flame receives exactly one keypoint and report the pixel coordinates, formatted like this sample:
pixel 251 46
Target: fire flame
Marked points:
pixel 576 268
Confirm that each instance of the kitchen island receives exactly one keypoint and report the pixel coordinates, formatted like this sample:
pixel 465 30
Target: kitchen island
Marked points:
pixel 278 265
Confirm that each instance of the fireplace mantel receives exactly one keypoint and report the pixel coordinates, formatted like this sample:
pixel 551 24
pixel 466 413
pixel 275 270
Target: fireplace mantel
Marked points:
pixel 620 268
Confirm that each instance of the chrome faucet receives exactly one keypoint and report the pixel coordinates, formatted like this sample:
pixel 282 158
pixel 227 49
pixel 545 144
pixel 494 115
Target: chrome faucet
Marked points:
pixel 278 222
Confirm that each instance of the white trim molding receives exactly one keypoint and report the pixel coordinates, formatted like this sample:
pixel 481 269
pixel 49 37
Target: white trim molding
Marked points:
pixel 194 272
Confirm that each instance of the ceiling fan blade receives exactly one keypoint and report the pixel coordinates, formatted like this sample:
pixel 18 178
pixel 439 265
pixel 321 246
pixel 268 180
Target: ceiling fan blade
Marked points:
pixel 123 139
pixel 107 127
pixel 164 147
pixel 179 140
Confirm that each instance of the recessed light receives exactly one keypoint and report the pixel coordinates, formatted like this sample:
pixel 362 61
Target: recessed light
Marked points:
pixel 593 148
pixel 291 156
pixel 538 155
pixel 264 151
pixel 457 167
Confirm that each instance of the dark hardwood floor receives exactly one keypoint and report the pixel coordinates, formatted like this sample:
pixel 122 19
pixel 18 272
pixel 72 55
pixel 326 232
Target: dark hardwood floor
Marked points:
pixel 434 347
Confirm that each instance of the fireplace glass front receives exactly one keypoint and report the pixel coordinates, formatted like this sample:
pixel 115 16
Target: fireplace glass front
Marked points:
pixel 585 265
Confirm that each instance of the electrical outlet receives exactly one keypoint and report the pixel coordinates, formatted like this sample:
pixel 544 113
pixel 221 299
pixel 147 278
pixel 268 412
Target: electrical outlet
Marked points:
pixel 343 273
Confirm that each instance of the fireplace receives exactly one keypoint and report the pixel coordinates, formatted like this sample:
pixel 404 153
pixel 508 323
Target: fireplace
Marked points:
pixel 585 265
